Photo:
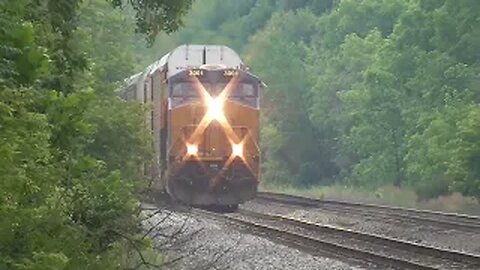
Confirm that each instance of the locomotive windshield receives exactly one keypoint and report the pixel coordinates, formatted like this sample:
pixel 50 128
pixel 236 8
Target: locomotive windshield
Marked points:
pixel 240 89
pixel 184 89
pixel 189 89
pixel 186 92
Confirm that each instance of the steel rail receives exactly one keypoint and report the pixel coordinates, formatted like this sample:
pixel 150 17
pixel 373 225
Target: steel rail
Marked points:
pixel 418 254
pixel 433 218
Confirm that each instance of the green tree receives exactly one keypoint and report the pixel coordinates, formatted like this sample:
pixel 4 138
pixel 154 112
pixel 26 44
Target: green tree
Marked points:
pixel 286 96
pixel 465 169
pixel 67 199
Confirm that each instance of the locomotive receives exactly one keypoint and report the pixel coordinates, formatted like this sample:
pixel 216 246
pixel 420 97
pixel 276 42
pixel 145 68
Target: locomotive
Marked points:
pixel 204 113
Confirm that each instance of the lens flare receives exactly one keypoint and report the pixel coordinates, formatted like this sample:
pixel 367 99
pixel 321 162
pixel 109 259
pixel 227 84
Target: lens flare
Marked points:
pixel 192 149
pixel 215 108
pixel 237 150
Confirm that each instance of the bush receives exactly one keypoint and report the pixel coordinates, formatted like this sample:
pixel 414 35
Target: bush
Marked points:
pixel 432 188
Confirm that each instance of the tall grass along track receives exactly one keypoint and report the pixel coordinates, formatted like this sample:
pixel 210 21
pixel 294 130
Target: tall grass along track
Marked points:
pixel 433 218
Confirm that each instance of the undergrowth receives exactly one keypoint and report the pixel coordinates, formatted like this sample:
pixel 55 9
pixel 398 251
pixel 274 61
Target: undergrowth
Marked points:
pixel 386 195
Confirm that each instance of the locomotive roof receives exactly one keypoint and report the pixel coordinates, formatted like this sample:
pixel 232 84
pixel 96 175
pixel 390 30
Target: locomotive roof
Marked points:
pixel 194 56
pixel 189 56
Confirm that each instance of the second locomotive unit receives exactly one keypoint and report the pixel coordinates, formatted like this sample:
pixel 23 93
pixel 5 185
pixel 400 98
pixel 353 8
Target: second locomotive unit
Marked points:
pixel 204 120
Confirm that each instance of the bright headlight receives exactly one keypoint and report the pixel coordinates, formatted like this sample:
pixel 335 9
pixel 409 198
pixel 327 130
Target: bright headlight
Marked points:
pixel 192 149
pixel 215 108
pixel 237 150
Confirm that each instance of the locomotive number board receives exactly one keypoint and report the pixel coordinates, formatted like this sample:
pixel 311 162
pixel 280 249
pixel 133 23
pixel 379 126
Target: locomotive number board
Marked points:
pixel 195 72
pixel 230 73
pixel 201 72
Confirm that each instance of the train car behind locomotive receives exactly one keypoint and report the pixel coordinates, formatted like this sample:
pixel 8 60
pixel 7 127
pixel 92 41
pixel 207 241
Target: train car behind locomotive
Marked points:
pixel 204 120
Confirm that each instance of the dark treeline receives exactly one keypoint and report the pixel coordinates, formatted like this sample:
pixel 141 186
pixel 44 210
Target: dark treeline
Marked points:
pixel 360 92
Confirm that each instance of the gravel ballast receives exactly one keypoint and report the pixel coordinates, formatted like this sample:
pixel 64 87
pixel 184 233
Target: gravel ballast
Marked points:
pixel 202 243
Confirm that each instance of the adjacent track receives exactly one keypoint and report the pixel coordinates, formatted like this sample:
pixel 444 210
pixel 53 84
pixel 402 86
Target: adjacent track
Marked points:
pixel 349 245
pixel 433 218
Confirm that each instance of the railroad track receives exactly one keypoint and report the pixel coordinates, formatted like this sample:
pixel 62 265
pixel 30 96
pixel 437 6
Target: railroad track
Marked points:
pixel 373 250
pixel 433 218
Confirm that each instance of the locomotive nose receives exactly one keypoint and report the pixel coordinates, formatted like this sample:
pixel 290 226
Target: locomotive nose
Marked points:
pixel 211 183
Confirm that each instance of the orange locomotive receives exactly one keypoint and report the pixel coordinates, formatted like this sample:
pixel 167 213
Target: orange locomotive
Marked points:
pixel 205 124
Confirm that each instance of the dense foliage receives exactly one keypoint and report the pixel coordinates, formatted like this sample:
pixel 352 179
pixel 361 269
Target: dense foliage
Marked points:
pixel 70 151
pixel 361 92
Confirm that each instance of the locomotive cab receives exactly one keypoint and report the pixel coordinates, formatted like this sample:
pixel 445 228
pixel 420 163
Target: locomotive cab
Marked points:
pixel 212 141
pixel 203 114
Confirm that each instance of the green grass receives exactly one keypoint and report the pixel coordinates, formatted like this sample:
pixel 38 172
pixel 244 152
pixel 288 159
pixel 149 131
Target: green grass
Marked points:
pixel 387 195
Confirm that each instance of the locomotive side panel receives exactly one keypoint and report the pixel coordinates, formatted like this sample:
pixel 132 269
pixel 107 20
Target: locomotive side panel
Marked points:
pixel 158 126
pixel 163 126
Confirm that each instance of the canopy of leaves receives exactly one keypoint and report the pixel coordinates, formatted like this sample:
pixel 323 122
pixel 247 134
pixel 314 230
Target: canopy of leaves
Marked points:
pixel 156 16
